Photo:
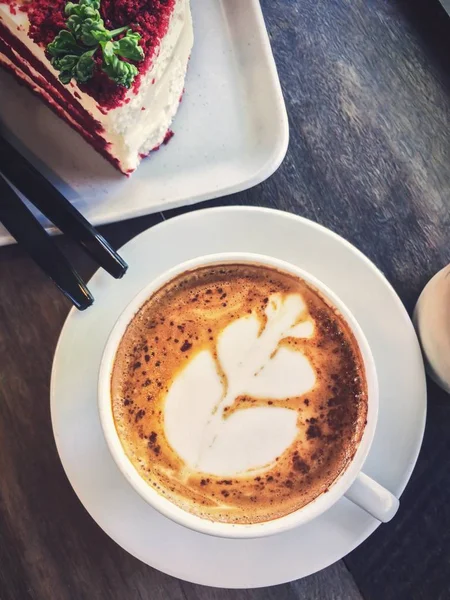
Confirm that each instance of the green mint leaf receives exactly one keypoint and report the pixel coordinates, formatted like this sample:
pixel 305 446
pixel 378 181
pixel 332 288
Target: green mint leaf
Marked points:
pixel 117 31
pixel 65 77
pixel 72 51
pixel 93 31
pixel 119 71
pixel 84 69
pixel 74 24
pixel 108 50
pixel 128 46
pixel 64 43
pixel 95 4
pixel 73 66
pixel 76 8
pixel 65 63
pixel 78 14
pixel 70 8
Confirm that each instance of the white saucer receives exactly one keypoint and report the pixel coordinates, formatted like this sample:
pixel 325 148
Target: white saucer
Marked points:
pixel 122 513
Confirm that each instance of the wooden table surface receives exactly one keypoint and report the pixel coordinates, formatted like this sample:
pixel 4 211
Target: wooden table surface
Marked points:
pixel 367 87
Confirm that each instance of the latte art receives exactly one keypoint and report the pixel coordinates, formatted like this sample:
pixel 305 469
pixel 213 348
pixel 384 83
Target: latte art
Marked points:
pixel 238 393
pixel 248 361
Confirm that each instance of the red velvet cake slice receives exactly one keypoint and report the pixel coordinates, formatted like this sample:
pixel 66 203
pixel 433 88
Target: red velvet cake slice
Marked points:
pixel 113 69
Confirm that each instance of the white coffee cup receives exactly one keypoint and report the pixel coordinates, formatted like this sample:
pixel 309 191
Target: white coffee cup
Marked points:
pixel 351 483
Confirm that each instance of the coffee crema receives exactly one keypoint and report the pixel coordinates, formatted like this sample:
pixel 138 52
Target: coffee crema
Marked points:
pixel 239 393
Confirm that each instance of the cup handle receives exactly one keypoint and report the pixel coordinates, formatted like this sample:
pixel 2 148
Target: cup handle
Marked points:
pixel 373 498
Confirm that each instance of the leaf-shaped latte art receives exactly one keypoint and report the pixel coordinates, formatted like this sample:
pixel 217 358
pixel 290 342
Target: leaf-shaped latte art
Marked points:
pixel 253 365
pixel 189 405
pixel 249 439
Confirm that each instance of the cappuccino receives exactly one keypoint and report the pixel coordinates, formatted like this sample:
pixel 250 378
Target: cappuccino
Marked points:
pixel 239 393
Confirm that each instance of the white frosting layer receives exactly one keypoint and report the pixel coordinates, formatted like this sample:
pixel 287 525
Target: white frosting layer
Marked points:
pixel 250 362
pixel 140 124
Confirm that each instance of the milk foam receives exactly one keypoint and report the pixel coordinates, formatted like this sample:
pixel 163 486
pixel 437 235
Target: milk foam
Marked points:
pixel 250 362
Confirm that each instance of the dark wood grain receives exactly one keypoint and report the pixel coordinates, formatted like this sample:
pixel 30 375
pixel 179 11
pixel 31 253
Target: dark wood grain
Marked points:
pixel 370 158
pixel 367 87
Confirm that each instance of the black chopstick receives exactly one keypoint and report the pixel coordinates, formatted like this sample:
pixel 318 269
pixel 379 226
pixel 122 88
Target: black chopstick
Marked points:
pixel 29 233
pixel 34 186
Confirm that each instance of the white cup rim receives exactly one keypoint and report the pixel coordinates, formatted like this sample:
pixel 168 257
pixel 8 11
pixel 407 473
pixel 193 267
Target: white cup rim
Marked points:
pixel 308 512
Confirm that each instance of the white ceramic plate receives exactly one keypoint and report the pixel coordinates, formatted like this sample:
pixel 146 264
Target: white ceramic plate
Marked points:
pixel 113 503
pixel 231 131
